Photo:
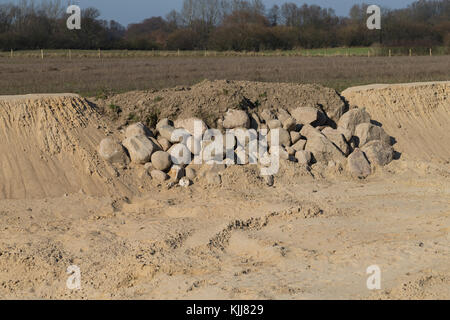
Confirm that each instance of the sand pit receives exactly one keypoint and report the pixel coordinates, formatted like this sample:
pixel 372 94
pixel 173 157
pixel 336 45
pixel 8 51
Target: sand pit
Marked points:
pixel 311 234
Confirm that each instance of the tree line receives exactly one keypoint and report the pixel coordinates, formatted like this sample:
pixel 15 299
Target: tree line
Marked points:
pixel 225 25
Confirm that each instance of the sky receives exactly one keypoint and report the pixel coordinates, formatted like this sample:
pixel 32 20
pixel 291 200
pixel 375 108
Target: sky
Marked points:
pixel 130 11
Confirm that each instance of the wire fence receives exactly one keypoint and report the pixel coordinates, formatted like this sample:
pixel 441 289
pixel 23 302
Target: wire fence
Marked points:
pixel 325 52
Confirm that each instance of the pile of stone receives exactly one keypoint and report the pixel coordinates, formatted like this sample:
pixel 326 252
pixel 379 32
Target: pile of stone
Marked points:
pixel 305 135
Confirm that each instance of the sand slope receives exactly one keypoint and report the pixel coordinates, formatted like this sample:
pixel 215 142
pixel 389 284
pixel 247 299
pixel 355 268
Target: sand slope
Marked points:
pixel 416 114
pixel 48 147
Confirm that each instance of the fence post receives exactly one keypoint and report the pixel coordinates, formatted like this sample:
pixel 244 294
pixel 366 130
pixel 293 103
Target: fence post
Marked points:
pixel 431 52
pixel 42 54
pixel 390 53
pixel 410 52
pixel 12 53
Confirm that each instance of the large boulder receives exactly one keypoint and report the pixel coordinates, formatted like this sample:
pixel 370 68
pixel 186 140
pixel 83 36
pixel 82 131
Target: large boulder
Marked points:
pixel 112 151
pixel 352 118
pixel 163 122
pixel 338 139
pixel 267 115
pixel 323 149
pixel 335 111
pixel 299 145
pixel 320 146
pixel 378 152
pixel 180 154
pixel 174 135
pixel 283 115
pixel 309 115
pixel 236 119
pixel 159 175
pixel 309 131
pixel 164 143
pixel 161 160
pixel 190 124
pixel 284 138
pixel 367 132
pixel 357 164
pixel 166 131
pixel 137 129
pixel 140 148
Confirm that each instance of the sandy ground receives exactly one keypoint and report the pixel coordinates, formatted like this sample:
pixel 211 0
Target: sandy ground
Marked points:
pixel 305 238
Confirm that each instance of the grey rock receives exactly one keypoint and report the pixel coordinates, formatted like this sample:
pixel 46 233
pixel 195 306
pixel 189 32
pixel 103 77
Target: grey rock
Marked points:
pixel 322 148
pixel 283 115
pixel 191 173
pixel 309 115
pixel 189 125
pixel 180 154
pixel 137 129
pixel 352 118
pixel 236 119
pixel 112 151
pixel 166 131
pixel 378 152
pixel 163 122
pixel 164 143
pixel 140 148
pixel 357 164
pixel 159 176
pixel 299 145
pixel 338 139
pixel 161 160
pixel 267 115
pixel 367 132
pixel 284 138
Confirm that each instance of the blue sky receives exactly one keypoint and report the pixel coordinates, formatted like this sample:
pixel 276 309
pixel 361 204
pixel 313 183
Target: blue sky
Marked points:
pixel 129 11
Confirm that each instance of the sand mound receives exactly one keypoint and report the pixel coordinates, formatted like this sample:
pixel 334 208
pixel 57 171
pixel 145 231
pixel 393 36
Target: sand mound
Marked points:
pixel 209 100
pixel 416 114
pixel 48 148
